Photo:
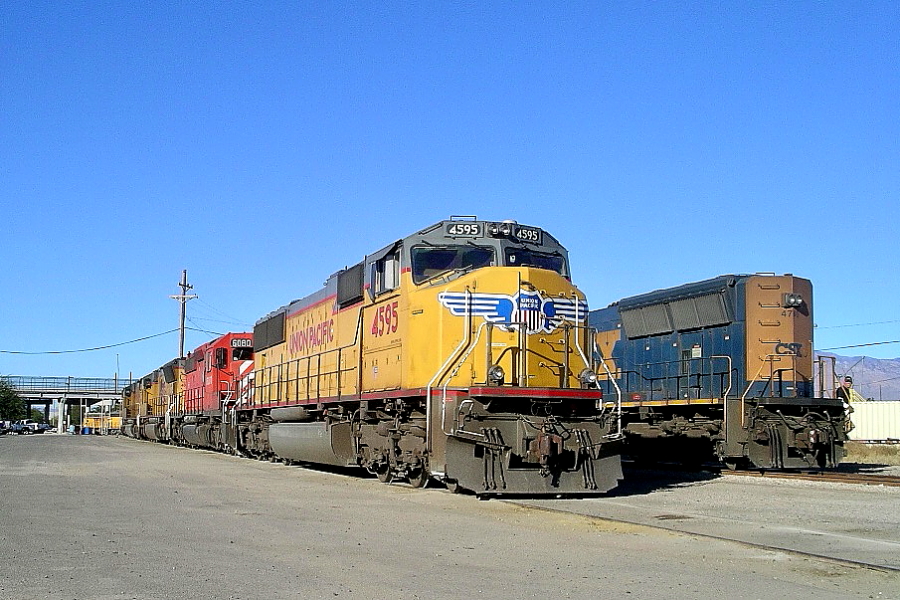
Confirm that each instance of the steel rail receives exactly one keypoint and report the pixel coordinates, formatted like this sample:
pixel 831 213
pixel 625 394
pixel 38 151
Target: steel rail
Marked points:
pixel 826 476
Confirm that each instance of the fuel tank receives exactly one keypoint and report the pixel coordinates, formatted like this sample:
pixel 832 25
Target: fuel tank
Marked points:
pixel 313 442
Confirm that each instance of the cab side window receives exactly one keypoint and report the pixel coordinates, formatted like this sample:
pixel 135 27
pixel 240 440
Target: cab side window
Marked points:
pixel 387 273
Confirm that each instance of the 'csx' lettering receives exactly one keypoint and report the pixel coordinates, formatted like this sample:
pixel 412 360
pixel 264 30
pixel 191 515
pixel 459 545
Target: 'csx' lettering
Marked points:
pixel 793 348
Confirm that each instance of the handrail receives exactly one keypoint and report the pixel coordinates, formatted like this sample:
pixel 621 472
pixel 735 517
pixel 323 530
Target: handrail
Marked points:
pixel 459 362
pixel 443 369
pixel 282 380
pixel 309 392
pixel 821 361
pixel 615 383
pixel 584 358
pixel 767 360
pixel 727 390
pixel 710 375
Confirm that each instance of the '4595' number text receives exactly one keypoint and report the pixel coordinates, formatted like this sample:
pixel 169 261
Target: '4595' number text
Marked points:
pixel 386 319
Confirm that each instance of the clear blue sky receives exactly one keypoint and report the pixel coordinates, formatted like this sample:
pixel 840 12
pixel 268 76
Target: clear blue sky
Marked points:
pixel 263 146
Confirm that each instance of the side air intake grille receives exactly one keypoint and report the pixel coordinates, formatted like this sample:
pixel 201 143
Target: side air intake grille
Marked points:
pixel 350 286
pixel 268 333
pixel 685 314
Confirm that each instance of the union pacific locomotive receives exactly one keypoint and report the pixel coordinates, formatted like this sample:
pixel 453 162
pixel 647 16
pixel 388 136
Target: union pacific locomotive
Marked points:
pixel 720 367
pixel 459 353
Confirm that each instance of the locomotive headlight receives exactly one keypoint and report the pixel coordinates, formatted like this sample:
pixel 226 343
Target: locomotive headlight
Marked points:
pixel 791 300
pixel 587 377
pixel 504 229
pixel 496 374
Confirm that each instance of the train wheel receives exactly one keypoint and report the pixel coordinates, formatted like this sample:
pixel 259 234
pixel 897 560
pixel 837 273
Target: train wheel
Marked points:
pixel 419 477
pixel 384 473
pixel 453 486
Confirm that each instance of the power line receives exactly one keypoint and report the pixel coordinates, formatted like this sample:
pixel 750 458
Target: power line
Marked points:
pixel 856 324
pixel 881 381
pixel 134 341
pixel 859 345
pixel 232 319
pixel 141 339
pixel 195 319
pixel 199 329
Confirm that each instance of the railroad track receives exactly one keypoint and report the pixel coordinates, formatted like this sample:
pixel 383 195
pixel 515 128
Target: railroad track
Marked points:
pixel 829 476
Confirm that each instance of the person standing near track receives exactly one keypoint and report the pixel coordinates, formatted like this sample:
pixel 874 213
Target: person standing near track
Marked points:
pixel 846 392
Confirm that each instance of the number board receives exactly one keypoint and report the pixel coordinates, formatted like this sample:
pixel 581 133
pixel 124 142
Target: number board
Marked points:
pixel 464 229
pixel 528 234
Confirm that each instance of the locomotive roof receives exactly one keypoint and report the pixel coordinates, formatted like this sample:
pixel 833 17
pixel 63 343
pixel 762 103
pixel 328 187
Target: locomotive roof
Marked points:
pixel 687 290
pixel 439 231
pixel 437 234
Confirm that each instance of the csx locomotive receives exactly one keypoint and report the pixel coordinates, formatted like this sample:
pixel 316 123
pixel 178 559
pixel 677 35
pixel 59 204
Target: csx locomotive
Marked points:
pixel 459 353
pixel 724 367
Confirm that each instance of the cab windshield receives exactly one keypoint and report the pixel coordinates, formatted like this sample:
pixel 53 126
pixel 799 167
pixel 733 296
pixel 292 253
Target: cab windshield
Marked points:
pixel 523 257
pixel 432 261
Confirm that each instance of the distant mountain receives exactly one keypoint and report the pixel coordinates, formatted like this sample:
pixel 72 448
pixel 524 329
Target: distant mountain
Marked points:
pixel 873 378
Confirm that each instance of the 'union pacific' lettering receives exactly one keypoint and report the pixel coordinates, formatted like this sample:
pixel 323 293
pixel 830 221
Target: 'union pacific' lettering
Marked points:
pixel 312 337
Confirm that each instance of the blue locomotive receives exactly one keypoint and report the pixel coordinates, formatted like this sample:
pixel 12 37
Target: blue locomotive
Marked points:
pixel 720 368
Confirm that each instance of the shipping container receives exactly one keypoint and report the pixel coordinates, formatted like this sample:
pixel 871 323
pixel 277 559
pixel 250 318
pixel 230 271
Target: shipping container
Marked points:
pixel 876 422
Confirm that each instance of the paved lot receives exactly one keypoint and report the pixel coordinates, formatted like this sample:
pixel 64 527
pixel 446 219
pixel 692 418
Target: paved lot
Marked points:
pixel 100 518
pixel 843 521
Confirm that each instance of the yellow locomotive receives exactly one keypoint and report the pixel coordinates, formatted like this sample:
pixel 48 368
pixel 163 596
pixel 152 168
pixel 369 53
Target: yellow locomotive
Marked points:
pixel 102 424
pixel 459 353
pixel 150 403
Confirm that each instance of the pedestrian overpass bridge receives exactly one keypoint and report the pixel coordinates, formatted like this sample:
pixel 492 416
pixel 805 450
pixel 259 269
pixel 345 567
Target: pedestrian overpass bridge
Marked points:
pixel 78 391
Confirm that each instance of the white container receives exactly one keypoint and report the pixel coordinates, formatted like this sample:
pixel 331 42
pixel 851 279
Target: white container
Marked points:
pixel 875 421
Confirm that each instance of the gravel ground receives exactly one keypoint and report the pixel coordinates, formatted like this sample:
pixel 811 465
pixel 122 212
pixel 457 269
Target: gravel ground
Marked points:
pixel 100 518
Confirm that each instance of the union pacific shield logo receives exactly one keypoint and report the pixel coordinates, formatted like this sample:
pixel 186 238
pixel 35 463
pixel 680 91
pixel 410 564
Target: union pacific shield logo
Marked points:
pixel 526 309
pixel 530 314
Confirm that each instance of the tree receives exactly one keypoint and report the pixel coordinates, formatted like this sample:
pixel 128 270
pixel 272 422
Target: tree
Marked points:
pixel 12 406
pixel 74 413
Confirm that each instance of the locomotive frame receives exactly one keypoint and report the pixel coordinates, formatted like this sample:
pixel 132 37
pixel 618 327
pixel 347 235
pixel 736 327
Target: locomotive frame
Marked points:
pixel 459 353
pixel 720 368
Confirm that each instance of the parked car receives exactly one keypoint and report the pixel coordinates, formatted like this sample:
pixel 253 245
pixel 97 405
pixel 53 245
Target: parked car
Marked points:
pixel 29 426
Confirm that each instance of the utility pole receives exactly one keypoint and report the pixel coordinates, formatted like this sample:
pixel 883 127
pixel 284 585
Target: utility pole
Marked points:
pixel 182 298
